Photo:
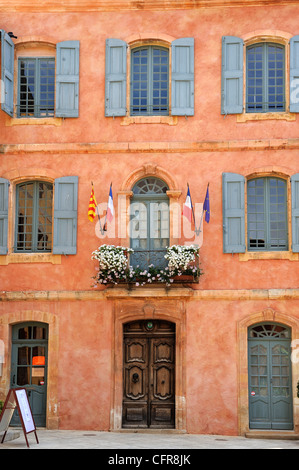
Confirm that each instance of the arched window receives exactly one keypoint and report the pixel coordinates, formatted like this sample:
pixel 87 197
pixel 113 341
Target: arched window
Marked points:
pixel 267 214
pixel 150 81
pixel 34 217
pixel 265 78
pixel 149 223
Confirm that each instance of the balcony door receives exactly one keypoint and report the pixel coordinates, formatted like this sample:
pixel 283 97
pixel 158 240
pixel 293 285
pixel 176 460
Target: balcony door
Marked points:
pixel 149 223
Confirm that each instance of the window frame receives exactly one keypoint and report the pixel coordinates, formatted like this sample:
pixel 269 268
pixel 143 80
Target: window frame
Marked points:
pixel 35 207
pixel 154 192
pixel 149 80
pixel 265 45
pixel 37 74
pixel 266 220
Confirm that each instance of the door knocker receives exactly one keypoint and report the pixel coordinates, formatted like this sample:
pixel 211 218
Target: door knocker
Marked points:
pixel 135 378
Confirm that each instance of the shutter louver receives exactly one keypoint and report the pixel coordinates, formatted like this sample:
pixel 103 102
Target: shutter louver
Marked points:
pixel 294 74
pixel 233 186
pixel 232 75
pixel 182 78
pixel 115 78
pixel 65 215
pixel 4 185
pixel 295 212
pixel 67 79
pixel 7 73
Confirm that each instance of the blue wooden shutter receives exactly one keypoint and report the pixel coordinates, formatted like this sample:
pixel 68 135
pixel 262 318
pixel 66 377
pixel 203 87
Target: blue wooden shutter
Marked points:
pixel 116 77
pixel 67 79
pixel 233 186
pixel 4 185
pixel 182 77
pixel 295 212
pixel 232 75
pixel 294 74
pixel 65 215
pixel 7 73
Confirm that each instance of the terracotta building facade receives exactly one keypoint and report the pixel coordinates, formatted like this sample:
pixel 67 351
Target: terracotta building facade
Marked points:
pixel 144 100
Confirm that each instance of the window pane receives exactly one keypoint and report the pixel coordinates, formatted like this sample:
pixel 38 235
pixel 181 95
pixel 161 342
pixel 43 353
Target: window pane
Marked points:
pixel 256 214
pixel 25 219
pixel 47 83
pixel 27 87
pixel 44 235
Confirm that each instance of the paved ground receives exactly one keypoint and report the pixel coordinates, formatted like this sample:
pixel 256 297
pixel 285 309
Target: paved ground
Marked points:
pixel 164 443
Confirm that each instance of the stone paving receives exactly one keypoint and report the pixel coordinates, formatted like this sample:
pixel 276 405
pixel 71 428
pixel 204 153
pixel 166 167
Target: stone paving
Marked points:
pixel 165 442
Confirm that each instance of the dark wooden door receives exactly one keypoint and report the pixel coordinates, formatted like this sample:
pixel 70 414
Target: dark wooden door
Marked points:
pixel 149 375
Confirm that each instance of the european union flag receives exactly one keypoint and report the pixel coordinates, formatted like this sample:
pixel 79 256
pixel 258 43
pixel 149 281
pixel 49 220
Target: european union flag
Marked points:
pixel 206 206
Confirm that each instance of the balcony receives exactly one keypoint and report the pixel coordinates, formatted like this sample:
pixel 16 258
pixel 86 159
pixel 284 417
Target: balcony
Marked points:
pixel 121 265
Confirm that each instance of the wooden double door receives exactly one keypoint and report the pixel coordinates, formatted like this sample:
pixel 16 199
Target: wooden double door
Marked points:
pixel 149 375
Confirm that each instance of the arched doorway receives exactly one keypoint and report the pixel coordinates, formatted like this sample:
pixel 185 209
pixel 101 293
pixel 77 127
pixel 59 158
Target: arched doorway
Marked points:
pixel 270 376
pixel 29 367
pixel 149 374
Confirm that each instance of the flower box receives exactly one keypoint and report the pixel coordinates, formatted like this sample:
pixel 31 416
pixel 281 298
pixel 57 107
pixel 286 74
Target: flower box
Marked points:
pixel 114 267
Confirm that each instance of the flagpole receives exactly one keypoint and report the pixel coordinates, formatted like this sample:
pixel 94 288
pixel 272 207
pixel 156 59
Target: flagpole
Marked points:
pixel 192 206
pixel 196 231
pixel 102 231
pixel 203 210
pixel 105 228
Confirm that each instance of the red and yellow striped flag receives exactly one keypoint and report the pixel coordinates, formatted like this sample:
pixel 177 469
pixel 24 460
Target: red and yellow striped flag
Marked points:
pixel 92 206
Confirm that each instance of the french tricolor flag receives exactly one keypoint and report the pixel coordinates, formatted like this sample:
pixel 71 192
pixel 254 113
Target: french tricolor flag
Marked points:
pixel 187 209
pixel 110 208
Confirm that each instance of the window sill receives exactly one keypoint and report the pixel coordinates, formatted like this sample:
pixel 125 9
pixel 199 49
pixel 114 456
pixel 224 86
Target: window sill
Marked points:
pixel 29 258
pixel 33 122
pixel 266 116
pixel 170 120
pixel 286 255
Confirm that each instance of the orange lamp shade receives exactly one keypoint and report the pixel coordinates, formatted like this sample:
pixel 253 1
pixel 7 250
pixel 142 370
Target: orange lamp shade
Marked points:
pixel 38 360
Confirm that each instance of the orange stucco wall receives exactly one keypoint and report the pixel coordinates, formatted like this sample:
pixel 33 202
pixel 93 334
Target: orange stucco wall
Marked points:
pixel 196 150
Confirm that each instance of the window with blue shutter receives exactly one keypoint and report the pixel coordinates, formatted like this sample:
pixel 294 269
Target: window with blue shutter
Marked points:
pixel 67 79
pixel 294 74
pixel 233 186
pixel 4 185
pixel 232 75
pixel 7 73
pixel 150 78
pixel 295 212
pixel 65 215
